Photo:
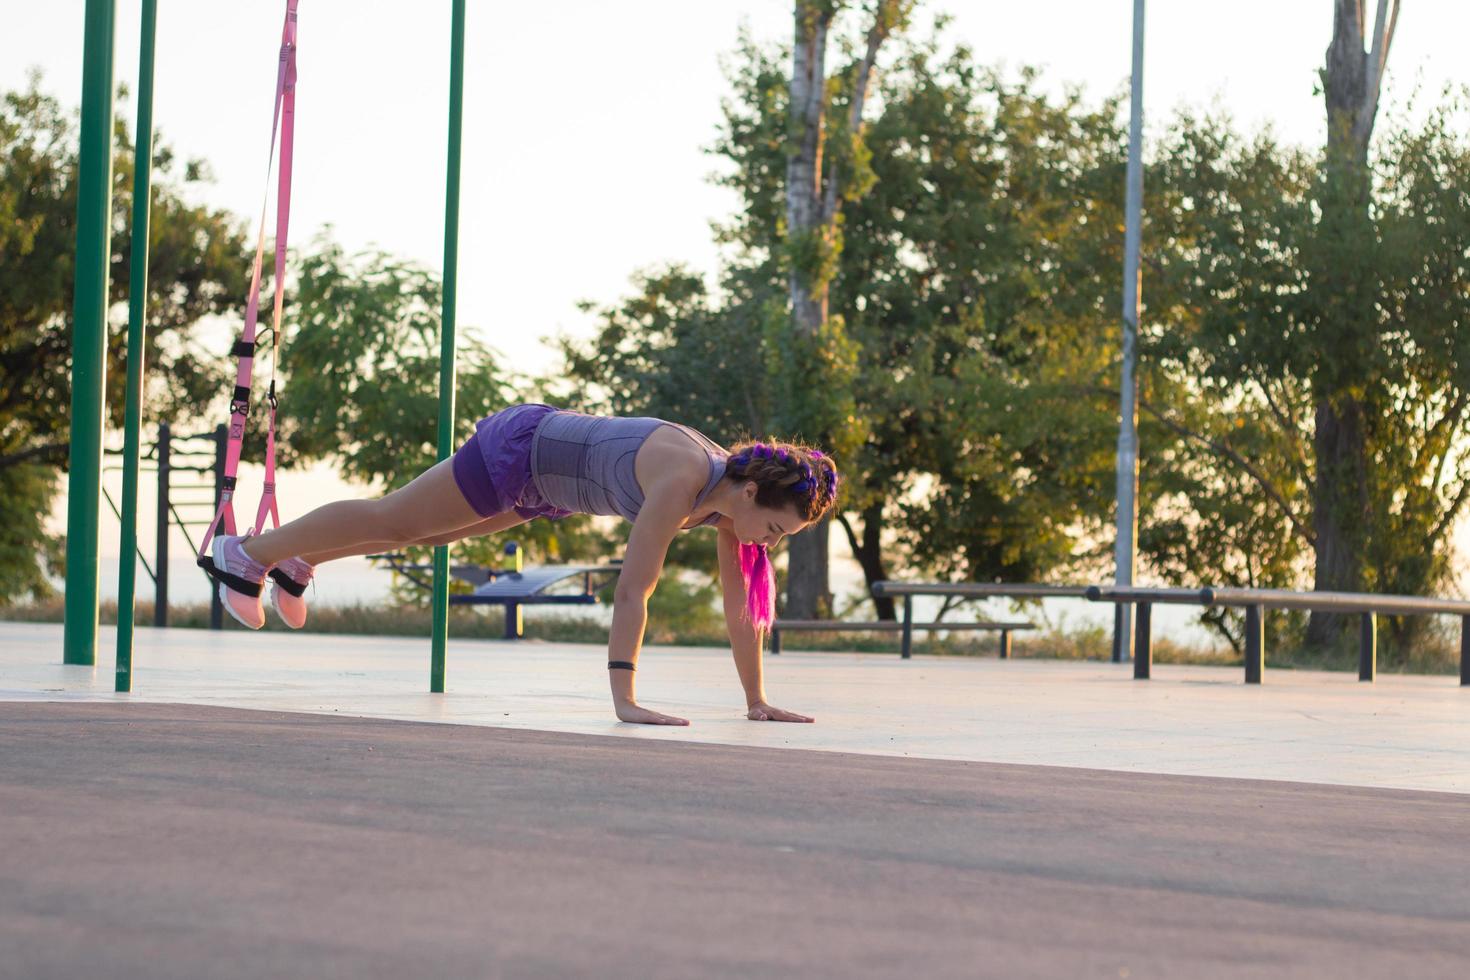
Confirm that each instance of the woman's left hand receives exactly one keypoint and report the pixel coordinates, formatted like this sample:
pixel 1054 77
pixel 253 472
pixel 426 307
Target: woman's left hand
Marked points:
pixel 760 711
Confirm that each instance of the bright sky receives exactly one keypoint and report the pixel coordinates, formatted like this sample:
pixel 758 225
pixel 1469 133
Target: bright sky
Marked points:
pixel 585 121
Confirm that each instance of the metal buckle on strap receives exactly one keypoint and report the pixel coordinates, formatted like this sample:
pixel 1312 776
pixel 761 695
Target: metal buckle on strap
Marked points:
pixel 240 403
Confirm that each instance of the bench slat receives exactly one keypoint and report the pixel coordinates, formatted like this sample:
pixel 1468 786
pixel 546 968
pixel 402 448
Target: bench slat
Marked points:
pixel 887 626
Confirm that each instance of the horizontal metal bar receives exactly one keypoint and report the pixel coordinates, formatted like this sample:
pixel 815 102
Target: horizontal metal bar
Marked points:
pixel 980 590
pixel 471 599
pixel 1343 602
pixel 1355 602
pixel 888 626
pixel 1125 593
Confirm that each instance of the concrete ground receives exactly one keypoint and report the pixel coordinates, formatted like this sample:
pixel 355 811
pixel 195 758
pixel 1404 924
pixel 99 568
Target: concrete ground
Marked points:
pixel 1405 732
pixel 960 818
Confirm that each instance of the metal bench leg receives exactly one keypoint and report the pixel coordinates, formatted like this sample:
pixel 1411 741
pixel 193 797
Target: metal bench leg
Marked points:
pixel 514 625
pixel 1005 644
pixel 1120 626
pixel 1465 651
pixel 1255 644
pixel 775 641
pixel 908 627
pixel 1368 647
pixel 1143 644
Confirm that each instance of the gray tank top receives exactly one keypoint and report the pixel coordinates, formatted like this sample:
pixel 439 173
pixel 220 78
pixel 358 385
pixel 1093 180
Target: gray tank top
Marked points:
pixel 584 463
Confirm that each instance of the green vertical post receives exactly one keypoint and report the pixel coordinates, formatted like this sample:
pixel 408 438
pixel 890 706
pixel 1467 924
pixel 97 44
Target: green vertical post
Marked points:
pixel 137 336
pixel 89 337
pixel 446 330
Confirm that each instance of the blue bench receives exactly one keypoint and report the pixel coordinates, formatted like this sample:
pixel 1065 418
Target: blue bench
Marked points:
pixel 513 587
pixel 528 587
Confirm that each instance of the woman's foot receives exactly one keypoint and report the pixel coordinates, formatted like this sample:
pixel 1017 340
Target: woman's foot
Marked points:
pixel 288 591
pixel 239 579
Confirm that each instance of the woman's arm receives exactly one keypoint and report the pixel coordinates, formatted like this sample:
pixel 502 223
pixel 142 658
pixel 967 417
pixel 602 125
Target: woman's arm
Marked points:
pixel 664 510
pixel 745 639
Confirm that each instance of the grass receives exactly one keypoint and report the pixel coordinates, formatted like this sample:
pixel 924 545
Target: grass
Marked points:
pixel 1435 651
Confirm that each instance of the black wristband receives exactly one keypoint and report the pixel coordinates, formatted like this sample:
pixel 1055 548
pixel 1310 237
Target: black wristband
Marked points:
pixel 620 665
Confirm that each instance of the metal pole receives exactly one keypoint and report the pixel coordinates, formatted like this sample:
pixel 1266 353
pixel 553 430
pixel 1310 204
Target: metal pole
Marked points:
pixel 1128 429
pixel 1368 647
pixel 1465 651
pixel 89 336
pixel 221 446
pixel 1255 644
pixel 137 326
pixel 446 331
pixel 1143 643
pixel 906 647
pixel 160 551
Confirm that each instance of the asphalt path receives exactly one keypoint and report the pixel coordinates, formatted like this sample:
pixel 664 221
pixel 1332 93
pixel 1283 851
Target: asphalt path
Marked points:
pixel 161 841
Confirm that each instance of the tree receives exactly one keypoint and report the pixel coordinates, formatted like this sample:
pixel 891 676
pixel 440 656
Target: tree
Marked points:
pixel 1345 262
pixel 196 270
pixel 1262 358
pixel 823 170
pixel 360 364
pixel 970 283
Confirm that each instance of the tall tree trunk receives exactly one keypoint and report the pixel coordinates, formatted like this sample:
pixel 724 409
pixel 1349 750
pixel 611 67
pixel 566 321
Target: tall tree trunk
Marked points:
pixel 808 593
pixel 804 164
pixel 1351 84
pixel 812 207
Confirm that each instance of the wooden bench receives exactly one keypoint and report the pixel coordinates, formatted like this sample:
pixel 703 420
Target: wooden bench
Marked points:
pixel 905 627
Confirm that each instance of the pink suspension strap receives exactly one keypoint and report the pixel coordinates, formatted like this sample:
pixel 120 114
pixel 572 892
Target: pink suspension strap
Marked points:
pixel 283 122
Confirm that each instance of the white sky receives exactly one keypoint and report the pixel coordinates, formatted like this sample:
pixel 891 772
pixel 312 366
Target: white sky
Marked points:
pixel 585 121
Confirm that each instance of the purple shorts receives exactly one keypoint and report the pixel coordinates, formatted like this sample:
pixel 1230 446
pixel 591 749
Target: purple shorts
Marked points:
pixel 493 467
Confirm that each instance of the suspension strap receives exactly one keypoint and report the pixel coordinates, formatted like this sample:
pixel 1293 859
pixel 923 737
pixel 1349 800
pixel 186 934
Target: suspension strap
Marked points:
pixel 283 121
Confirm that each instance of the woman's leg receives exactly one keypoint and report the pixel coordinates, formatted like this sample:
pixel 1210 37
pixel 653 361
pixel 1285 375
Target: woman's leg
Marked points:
pixel 490 525
pixel 431 506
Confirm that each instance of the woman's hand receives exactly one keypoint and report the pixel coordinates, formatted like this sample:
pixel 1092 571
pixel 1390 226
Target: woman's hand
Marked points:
pixel 628 711
pixel 760 711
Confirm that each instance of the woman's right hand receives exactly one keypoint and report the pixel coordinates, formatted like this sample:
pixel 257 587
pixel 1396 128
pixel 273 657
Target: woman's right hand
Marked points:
pixel 628 711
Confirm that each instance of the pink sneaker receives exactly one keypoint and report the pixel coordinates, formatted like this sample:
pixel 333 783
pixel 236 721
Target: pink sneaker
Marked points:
pixel 239 577
pixel 288 591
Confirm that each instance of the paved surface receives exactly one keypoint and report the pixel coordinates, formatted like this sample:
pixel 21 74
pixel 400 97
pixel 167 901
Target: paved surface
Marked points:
pixel 1402 732
pixel 162 841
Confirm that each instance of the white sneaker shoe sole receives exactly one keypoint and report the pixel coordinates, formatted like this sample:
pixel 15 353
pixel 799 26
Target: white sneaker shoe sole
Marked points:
pixel 276 607
pixel 224 590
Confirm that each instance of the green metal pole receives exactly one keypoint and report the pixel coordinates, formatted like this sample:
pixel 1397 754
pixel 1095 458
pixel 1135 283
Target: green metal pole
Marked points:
pixel 89 337
pixel 137 337
pixel 446 334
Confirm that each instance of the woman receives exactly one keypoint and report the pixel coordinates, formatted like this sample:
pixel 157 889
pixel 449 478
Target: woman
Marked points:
pixel 533 461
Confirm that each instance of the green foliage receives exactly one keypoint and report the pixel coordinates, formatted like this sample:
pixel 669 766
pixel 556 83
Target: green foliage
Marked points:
pixel 361 362
pixel 972 314
pixel 197 270
pixel 1294 302
pixel 975 319
pixel 361 359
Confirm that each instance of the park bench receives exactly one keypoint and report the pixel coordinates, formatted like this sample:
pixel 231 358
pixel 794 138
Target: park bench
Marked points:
pixel 1255 602
pixel 514 587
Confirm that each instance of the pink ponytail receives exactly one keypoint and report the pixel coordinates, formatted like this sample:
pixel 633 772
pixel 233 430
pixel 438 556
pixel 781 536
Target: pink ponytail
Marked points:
pixel 760 585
